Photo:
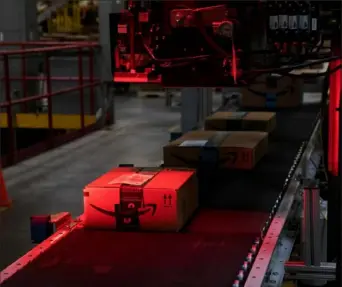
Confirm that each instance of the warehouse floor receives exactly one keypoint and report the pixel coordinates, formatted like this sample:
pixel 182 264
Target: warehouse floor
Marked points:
pixel 53 182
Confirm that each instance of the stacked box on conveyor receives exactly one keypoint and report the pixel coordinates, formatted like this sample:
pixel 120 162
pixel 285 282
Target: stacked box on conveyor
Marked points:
pixel 236 150
pixel 132 199
pixel 241 121
pixel 211 152
pixel 273 92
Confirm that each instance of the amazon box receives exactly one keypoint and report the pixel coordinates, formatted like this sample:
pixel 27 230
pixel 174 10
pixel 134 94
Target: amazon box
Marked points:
pixel 241 121
pixel 272 92
pixel 219 149
pixel 131 199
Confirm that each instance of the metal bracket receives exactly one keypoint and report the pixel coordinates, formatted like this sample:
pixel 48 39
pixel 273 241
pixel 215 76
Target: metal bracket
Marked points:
pixel 299 271
pixel 282 253
pixel 266 254
pixel 311 271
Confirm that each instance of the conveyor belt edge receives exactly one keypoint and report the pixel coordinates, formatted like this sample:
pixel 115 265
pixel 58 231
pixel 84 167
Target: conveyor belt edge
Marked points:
pixel 271 251
pixel 38 250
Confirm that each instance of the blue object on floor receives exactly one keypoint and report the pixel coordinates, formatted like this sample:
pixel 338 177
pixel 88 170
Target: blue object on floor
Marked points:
pixel 41 228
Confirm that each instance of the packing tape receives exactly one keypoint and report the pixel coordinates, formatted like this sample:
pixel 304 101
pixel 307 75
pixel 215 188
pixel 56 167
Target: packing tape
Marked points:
pixel 235 122
pixel 132 204
pixel 209 154
pixel 239 115
pixel 271 100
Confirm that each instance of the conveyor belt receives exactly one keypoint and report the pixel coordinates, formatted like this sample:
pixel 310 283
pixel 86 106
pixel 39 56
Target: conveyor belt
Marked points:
pixel 209 251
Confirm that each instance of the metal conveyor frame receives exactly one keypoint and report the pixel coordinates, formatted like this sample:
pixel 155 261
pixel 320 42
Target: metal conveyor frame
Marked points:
pixel 277 245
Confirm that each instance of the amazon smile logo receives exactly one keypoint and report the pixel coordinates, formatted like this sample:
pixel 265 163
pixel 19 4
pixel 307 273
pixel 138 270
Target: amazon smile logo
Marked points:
pixel 151 207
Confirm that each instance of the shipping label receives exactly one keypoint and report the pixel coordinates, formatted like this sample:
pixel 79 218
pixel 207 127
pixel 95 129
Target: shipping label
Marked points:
pixel 136 179
pixel 194 143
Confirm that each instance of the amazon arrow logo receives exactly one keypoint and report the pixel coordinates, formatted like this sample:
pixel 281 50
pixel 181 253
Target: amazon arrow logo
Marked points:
pixel 141 211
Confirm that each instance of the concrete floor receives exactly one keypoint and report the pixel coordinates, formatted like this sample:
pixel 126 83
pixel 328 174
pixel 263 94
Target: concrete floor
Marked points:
pixel 53 182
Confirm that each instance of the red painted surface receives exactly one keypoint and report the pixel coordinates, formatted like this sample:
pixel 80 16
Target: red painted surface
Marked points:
pixel 207 253
pixel 334 104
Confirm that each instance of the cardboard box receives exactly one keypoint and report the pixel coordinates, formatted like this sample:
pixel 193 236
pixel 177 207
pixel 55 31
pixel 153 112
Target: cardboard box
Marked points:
pixel 273 91
pixel 236 150
pixel 241 121
pixel 131 199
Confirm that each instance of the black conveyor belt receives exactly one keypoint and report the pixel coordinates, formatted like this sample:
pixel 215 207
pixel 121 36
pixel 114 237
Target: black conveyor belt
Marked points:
pixel 208 253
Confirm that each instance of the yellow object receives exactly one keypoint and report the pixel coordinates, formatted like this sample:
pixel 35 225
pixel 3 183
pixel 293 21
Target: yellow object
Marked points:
pixel 40 121
pixel 67 19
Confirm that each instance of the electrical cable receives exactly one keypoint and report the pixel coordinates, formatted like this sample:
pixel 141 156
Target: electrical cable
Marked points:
pixel 186 60
pixel 295 67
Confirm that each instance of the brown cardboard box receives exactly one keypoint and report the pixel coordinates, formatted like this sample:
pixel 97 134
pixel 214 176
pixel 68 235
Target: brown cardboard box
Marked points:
pixel 236 150
pixel 241 121
pixel 138 199
pixel 272 92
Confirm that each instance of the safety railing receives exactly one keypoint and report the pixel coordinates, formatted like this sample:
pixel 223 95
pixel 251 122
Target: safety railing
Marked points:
pixel 21 97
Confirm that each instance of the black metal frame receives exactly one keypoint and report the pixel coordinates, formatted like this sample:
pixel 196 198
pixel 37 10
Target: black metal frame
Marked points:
pixel 114 19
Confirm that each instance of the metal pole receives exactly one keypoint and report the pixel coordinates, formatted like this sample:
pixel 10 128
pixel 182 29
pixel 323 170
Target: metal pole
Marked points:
pixel 24 108
pixel 49 99
pixel 12 140
pixel 91 78
pixel 190 108
pixel 209 100
pixel 315 227
pixel 311 231
pixel 306 228
pixel 80 84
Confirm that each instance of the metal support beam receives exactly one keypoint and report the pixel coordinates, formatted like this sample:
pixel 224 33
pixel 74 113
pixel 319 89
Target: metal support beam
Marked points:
pixel 299 271
pixel 196 106
pixel 311 226
pixel 105 8
pixel 311 271
pixel 312 233
pixel 108 103
pixel 25 27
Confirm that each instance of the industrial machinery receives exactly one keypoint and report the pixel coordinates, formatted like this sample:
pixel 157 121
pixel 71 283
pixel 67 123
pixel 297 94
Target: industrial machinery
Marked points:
pixel 178 42
pixel 246 231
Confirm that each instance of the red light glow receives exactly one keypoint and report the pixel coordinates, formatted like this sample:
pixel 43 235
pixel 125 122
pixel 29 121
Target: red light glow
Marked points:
pixel 334 102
